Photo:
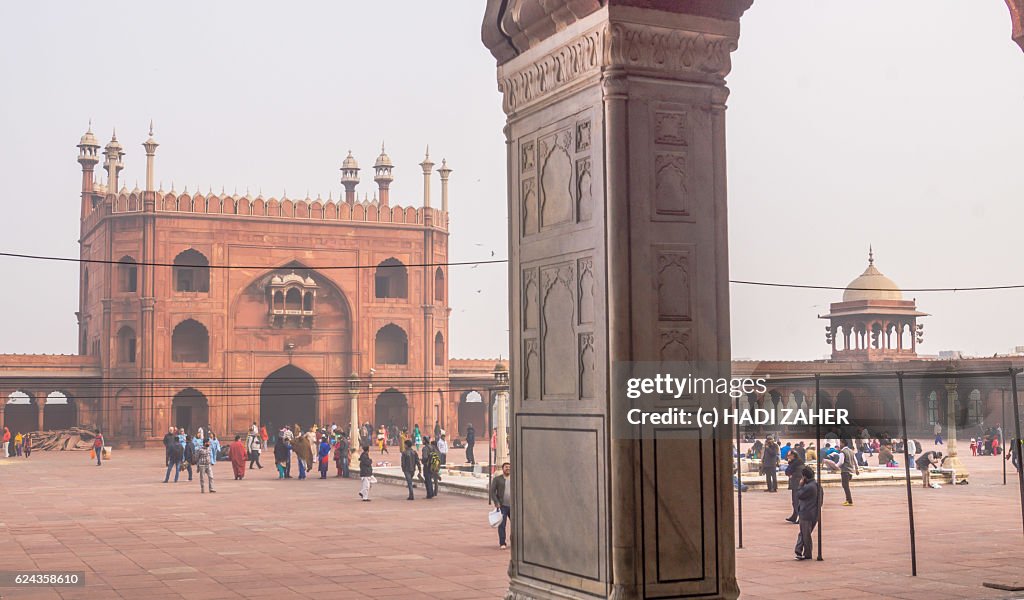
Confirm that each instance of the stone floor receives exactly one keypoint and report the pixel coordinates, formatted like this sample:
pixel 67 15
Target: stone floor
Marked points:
pixel 138 538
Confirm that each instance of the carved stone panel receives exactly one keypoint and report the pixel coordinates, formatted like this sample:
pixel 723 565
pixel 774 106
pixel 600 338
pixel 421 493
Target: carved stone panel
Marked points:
pixel 583 136
pixel 531 212
pixel 564 521
pixel 587 365
pixel 672 273
pixel 584 190
pixel 531 370
pixel 531 312
pixel 556 179
pixel 526 159
pixel 671 184
pixel 675 344
pixel 585 268
pixel 558 337
pixel 670 128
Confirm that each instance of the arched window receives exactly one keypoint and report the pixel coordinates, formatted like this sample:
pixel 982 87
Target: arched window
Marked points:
pixel 933 408
pixel 439 350
pixel 191 272
pixel 975 409
pixel 293 299
pixel 127 275
pixel 126 345
pixel 391 346
pixel 439 285
pixel 83 348
pixel 85 290
pixel 391 280
pixel 190 343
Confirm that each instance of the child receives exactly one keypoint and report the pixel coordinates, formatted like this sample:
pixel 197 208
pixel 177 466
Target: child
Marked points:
pixel 974 447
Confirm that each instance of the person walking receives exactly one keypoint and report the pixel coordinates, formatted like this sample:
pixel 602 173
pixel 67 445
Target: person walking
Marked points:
pixel 189 455
pixel 410 464
pixel 238 455
pixel 255 448
pixel 169 438
pixel 17 444
pixel 214 447
pixel 324 456
pixel 924 463
pixel 795 472
pixel 770 464
pixel 175 454
pixel 501 498
pixel 281 454
pixel 204 465
pixel 429 476
pixel 848 467
pixel 1013 454
pixel 809 510
pixel 27 443
pixel 470 441
pixel 303 454
pixel 365 473
pixel 97 445
pixel 938 434
pixel 7 442
pixel 442 448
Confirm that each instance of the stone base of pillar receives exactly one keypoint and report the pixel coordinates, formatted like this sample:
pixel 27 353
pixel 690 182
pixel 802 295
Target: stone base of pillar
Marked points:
pixel 953 462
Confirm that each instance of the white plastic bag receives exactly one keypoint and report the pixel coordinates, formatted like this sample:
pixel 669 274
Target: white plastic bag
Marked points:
pixel 494 517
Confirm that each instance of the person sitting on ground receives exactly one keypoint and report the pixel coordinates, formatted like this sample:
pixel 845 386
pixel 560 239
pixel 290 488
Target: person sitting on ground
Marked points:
pixel 885 457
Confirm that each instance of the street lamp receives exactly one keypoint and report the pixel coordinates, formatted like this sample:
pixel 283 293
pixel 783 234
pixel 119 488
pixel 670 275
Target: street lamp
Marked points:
pixel 501 385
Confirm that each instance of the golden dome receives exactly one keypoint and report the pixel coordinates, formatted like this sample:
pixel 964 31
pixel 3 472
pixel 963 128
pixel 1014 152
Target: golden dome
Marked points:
pixel 872 285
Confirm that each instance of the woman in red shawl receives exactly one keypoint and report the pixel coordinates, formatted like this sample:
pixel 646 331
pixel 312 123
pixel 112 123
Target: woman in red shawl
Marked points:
pixel 238 456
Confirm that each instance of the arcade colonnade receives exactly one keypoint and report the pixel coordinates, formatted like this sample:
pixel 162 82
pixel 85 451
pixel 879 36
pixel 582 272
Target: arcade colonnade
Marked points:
pixel 618 252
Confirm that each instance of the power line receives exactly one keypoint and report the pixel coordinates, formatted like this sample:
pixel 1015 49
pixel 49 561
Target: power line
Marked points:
pixel 977 288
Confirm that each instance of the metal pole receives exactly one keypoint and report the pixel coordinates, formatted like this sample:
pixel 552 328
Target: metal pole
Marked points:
pixel 1002 434
pixel 906 470
pixel 1018 442
pixel 817 445
pixel 739 476
pixel 490 455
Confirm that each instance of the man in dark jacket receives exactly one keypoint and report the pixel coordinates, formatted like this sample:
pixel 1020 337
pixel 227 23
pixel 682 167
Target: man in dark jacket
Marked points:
pixel 409 463
pixel 470 440
pixel 501 498
pixel 175 454
pixel 365 473
pixel 770 464
pixel 848 467
pixel 189 456
pixel 169 439
pixel 794 470
pixel 808 511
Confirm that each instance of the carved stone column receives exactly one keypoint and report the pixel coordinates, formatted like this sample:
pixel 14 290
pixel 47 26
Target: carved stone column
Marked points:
pixel 618 252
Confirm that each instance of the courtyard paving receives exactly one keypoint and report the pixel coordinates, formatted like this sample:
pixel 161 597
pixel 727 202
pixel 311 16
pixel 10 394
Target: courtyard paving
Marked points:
pixel 136 537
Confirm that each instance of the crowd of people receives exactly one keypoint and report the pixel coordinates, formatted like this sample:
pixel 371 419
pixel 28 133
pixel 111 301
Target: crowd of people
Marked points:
pixel 18 446
pixel 847 456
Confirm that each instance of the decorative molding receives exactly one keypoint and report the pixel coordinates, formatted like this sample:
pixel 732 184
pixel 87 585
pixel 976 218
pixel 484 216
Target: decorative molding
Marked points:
pixel 670 52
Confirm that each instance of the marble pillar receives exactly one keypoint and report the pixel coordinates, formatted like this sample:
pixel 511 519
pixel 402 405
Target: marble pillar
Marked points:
pixel 618 252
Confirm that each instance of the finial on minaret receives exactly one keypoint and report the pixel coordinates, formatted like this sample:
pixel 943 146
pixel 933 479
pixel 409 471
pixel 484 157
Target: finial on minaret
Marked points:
pixel 445 172
pixel 871 255
pixel 113 152
pixel 150 145
pixel 382 175
pixel 428 166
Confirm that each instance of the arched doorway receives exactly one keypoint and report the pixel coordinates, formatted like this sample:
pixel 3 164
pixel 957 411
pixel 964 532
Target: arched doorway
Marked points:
pixel 471 410
pixel 21 414
pixel 391 408
pixel 190 410
pixel 59 412
pixel 288 396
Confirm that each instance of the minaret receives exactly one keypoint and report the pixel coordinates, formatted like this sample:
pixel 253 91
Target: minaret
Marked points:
pixel 445 172
pixel 88 157
pixel 427 167
pixel 382 175
pixel 150 146
pixel 350 177
pixel 113 165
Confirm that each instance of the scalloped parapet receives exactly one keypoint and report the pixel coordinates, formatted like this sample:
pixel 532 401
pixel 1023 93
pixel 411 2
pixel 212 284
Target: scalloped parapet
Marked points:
pixel 285 208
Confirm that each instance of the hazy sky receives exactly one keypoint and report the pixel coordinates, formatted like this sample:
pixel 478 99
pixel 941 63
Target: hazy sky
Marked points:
pixel 891 123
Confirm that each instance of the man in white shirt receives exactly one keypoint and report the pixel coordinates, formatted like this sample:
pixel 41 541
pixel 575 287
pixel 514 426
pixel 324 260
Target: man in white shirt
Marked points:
pixel 442 449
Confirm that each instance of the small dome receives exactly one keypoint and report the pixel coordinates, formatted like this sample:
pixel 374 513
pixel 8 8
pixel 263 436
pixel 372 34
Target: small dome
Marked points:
pixel 276 280
pixel 309 281
pixel 872 285
pixel 89 139
pixel 292 277
pixel 383 160
pixel 113 144
pixel 349 162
